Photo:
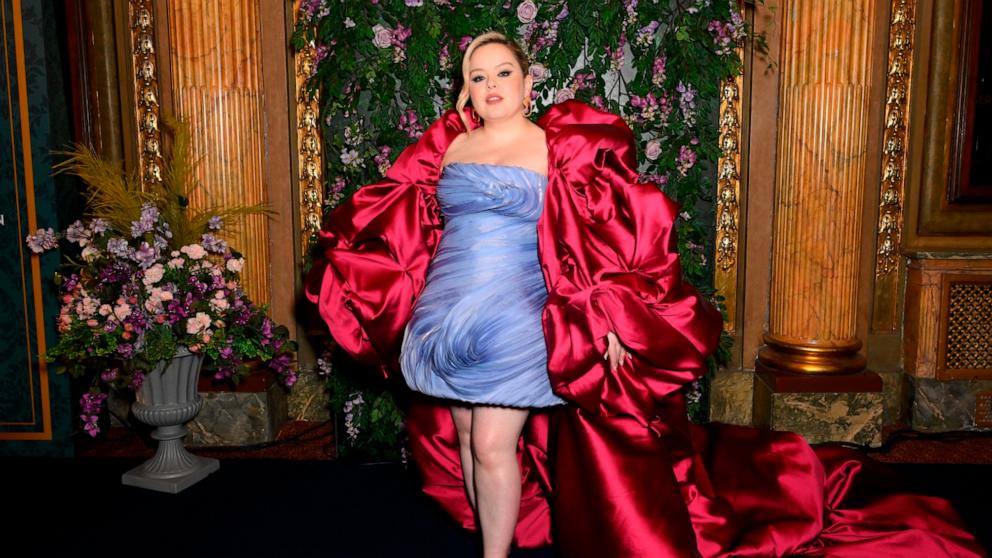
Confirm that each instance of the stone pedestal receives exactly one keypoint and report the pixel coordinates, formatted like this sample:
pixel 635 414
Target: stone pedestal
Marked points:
pixel 821 408
pixel 250 414
pixel 308 399
pixel 732 397
pixel 949 405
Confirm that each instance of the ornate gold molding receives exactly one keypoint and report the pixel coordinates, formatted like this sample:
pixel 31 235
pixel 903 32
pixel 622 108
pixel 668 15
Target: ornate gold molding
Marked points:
pixel 728 195
pixel 311 156
pixel 894 140
pixel 310 146
pixel 146 91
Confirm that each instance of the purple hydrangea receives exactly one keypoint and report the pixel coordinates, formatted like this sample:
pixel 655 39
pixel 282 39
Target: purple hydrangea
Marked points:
pixel 41 240
pixel 145 224
pixel 215 223
pixel 213 244
pixel 146 255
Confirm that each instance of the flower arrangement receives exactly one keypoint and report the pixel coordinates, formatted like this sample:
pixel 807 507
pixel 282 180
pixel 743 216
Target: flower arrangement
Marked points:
pixel 154 276
pixel 657 64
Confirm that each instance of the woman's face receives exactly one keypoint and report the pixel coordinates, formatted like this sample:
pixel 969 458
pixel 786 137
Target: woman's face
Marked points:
pixel 497 86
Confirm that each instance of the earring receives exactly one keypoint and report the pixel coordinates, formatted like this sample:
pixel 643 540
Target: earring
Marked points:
pixel 527 105
pixel 474 115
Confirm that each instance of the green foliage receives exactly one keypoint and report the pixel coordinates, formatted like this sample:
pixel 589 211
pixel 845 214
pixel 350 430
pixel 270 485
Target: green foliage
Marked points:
pixel 659 64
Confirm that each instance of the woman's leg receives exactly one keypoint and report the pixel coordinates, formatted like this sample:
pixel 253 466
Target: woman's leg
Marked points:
pixel 495 432
pixel 463 424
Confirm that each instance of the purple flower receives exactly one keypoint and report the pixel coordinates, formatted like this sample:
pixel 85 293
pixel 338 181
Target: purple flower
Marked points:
pixel 215 223
pixel 400 35
pixel 658 71
pixel 413 3
pixel 145 224
pixel 145 255
pixel 686 160
pixel 464 42
pixel 109 375
pixel 78 233
pixel 99 226
pixel 646 34
pixel 118 247
pixel 213 244
pixel 41 240
pixel 89 424
pixel 92 402
pixel 126 350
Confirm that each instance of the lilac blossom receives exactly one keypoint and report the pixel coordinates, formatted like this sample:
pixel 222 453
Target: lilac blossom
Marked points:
pixel 382 159
pixel 41 240
pixel 77 233
pixel 213 244
pixel 686 160
pixel 146 255
pixel 118 247
pixel 687 102
pixel 145 223
pixel 99 226
pixel 215 223
pixel 645 35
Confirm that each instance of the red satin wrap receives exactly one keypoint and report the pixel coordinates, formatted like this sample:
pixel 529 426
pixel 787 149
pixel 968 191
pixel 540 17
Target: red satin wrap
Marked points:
pixel 626 474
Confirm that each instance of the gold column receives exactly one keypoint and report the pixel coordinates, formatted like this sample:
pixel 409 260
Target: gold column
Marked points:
pixel 819 187
pixel 216 87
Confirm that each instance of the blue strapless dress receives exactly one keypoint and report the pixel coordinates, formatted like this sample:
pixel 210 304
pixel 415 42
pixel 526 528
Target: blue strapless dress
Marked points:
pixel 476 333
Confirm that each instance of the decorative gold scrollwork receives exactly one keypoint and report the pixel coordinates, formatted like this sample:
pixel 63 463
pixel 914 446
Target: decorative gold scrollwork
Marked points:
pixel 890 215
pixel 146 91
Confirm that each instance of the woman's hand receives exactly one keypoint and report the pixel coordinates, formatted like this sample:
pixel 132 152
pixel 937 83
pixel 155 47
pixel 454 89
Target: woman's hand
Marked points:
pixel 616 353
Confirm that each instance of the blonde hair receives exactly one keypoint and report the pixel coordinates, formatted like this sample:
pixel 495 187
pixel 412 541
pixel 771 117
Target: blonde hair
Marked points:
pixel 482 40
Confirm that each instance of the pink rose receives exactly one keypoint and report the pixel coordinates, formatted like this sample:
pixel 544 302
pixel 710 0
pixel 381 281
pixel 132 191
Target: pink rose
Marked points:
pixel 653 150
pixel 235 265
pixel 538 72
pixel 564 95
pixel 526 11
pixel 383 36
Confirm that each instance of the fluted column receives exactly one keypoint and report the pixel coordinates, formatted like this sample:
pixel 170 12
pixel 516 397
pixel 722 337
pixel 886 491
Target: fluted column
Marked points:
pixel 819 188
pixel 215 58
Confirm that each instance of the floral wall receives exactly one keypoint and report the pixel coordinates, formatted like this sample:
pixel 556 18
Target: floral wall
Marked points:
pixel 385 69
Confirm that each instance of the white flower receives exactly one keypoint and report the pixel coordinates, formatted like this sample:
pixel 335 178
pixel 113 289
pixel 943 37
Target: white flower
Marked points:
pixel 349 23
pixel 383 36
pixel 653 150
pixel 153 274
pixel 526 11
pixel 194 251
pixel 90 253
pixel 175 263
pixel 235 265
pixel 349 156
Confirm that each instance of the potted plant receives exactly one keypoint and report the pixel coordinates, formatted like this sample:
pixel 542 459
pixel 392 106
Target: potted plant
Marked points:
pixel 156 291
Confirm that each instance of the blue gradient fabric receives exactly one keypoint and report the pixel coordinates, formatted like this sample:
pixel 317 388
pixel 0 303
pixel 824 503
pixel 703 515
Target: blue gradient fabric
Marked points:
pixel 476 335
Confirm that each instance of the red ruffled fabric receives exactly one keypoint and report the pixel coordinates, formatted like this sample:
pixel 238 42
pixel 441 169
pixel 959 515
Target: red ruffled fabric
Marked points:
pixel 624 471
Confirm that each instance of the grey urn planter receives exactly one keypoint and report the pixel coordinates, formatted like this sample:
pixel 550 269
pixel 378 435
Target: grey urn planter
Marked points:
pixel 168 400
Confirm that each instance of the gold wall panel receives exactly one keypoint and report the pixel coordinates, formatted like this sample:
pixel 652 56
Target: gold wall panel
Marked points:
pixel 216 86
pixel 825 88
pixel 932 225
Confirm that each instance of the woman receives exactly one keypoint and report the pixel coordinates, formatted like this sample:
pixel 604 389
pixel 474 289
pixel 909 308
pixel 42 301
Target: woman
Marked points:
pixel 627 474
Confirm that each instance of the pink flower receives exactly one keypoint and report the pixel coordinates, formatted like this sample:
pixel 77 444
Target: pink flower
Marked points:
pixel 153 274
pixel 538 72
pixel 383 36
pixel 194 251
pixel 197 323
pixel 235 265
pixel 122 311
pixel 653 150
pixel 526 11
pixel 564 95
pixel 464 42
